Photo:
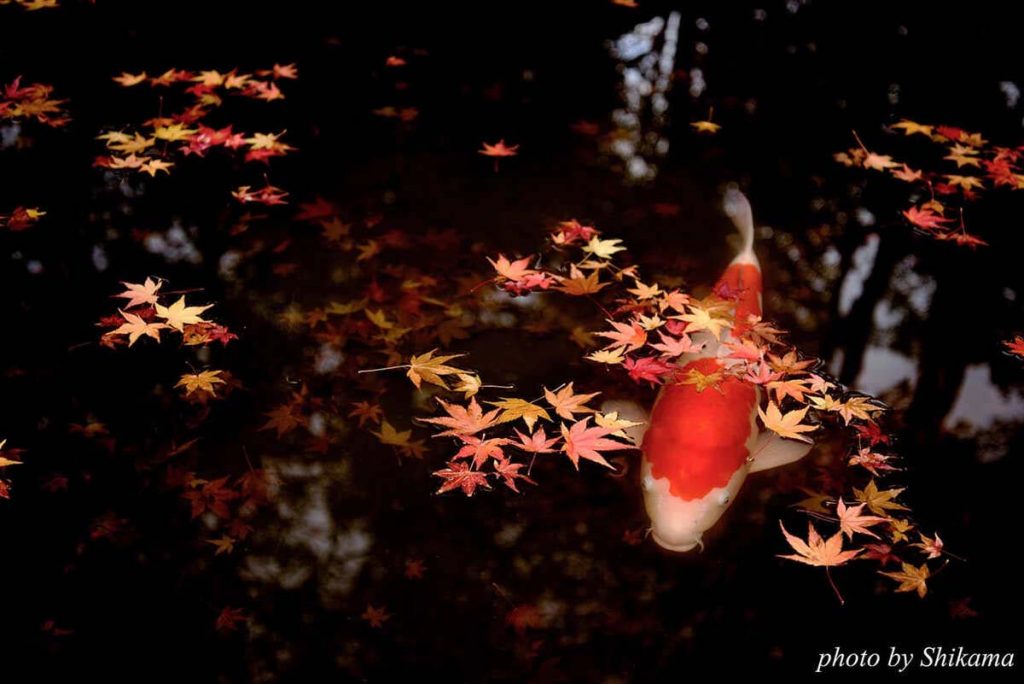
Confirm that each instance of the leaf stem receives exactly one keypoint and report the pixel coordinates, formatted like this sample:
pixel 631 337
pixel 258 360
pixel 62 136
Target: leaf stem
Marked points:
pixel 386 368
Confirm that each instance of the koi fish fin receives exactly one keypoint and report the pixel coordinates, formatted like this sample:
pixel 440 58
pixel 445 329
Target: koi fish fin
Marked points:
pixel 737 207
pixel 631 411
pixel 772 451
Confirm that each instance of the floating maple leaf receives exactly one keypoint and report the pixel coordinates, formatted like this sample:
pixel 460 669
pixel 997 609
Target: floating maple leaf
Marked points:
pixel 177 315
pixel 481 449
pixel 650 369
pixel 229 618
pixel 463 420
pixel 21 218
pixel 786 425
pixel 514 409
pixel 816 551
pixel 499 149
pixel 581 441
pixel 375 616
pixel 513 270
pixel 135 326
pixel 429 368
pixel 911 578
pixel 537 442
pixel 851 520
pixel 932 546
pixel 459 475
pixel 204 381
pixel 878 501
pixel 629 335
pixel 138 294
pixel 566 402
pixel 509 472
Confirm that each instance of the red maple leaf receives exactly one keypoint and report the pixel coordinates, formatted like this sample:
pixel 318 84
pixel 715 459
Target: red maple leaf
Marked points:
pixel 873 433
pixel 510 472
pixel 228 619
pixel 481 449
pixel 925 219
pixel 460 475
pixel 650 369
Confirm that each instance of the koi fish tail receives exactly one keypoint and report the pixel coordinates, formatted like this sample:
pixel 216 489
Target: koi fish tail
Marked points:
pixel 738 209
pixel 743 276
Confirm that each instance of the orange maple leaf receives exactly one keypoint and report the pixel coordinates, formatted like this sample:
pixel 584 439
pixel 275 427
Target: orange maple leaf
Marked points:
pixel 499 149
pixel 463 420
pixel 566 402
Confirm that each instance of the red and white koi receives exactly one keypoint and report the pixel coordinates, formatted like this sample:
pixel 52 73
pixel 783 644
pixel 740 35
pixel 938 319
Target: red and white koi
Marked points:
pixel 698 444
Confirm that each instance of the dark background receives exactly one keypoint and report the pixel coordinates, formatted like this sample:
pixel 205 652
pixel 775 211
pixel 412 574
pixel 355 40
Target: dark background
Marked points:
pixel 143 609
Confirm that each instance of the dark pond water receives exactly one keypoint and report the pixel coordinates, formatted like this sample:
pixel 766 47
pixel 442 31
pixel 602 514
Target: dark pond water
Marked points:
pixel 543 586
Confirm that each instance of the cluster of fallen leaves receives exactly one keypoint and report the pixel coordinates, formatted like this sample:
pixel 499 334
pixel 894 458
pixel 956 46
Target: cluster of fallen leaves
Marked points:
pixel 21 218
pixel 149 312
pixel 32 101
pixel 649 329
pixel 153 146
pixel 969 167
pixel 389 305
pixel 493 444
pixel 232 501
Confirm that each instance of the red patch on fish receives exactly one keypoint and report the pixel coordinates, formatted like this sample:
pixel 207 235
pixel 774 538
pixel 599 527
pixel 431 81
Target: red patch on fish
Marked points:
pixel 698 440
pixel 744 280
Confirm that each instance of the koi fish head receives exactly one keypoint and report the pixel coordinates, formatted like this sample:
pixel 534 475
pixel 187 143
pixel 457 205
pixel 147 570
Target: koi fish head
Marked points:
pixel 679 524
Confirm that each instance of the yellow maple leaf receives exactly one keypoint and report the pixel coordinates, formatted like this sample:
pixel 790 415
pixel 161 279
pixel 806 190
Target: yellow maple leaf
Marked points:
pixel 786 425
pixel 128 80
pixel 4 461
pixel 514 409
pixel 705 127
pixel 392 437
pixel 879 502
pixel 911 127
pixel 201 382
pixel 911 578
pixel 612 357
pixel 224 544
pixel 131 145
pixel 153 165
pixel 702 319
pixel 173 132
pixel 429 368
pixel 469 384
pixel 702 381
pixel 965 182
pixel 578 284
pixel 177 314
pixel 603 249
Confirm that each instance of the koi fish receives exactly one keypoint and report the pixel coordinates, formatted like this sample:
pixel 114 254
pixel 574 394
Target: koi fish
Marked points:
pixel 699 445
